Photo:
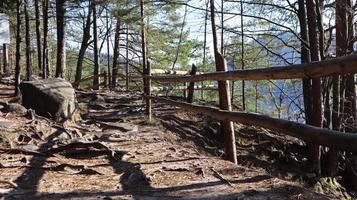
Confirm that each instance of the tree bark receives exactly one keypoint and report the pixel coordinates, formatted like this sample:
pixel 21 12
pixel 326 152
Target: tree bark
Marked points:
pixel 38 37
pixel 45 68
pixel 108 49
pixel 242 53
pixel 18 46
pixel 96 78
pixel 143 39
pixel 305 58
pixel 316 117
pixel 61 32
pixel 116 52
pixel 127 59
pixel 224 99
pixel 84 45
pixel 5 66
pixel 28 43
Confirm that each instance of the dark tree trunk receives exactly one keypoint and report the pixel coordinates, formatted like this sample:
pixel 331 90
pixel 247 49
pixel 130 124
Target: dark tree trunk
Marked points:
pixel 127 59
pixel 61 32
pixel 108 50
pixel 18 46
pixel 316 117
pixel 45 68
pixel 143 39
pixel 242 53
pixel 5 59
pixel 28 43
pixel 38 37
pixel 116 53
pixel 84 45
pixel 96 78
pixel 305 58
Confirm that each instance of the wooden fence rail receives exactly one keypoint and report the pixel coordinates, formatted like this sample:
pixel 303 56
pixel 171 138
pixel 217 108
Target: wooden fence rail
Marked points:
pixel 340 65
pixel 325 137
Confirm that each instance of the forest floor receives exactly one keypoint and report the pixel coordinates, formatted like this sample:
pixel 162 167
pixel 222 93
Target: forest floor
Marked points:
pixel 112 152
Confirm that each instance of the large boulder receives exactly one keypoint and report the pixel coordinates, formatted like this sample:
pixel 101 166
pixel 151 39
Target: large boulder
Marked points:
pixel 53 97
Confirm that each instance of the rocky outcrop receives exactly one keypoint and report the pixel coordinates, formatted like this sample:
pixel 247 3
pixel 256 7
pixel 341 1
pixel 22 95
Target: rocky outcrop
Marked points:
pixel 52 97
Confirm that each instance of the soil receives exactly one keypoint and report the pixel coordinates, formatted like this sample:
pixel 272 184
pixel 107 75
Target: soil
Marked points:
pixel 112 151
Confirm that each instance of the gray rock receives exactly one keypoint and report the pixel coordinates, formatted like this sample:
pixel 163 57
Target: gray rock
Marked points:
pixel 52 97
pixel 15 108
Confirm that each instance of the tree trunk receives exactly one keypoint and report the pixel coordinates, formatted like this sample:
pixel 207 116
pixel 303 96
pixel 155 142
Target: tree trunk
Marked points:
pixel 84 45
pixel 108 49
pixel 116 53
pixel 143 39
pixel 127 59
pixel 61 32
pixel 305 58
pixel 28 43
pixel 224 99
pixel 5 60
pixel 18 46
pixel 38 37
pixel 45 68
pixel 316 117
pixel 242 53
pixel 204 47
pixel 96 78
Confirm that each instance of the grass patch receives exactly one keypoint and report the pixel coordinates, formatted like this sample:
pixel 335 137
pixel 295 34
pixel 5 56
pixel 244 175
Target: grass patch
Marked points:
pixel 153 122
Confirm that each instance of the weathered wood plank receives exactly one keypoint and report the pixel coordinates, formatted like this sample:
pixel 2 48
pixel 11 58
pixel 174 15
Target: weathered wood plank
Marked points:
pixel 340 65
pixel 325 137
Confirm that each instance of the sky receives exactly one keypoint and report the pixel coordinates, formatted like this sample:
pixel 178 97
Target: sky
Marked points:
pixel 4 29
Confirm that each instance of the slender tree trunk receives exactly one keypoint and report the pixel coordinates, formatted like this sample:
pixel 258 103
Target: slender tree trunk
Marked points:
pixel 180 39
pixel 224 99
pixel 127 59
pixel 61 32
pixel 116 53
pixel 233 82
pixel 38 37
pixel 305 58
pixel 316 119
pixel 96 78
pixel 222 27
pixel 242 52
pixel 84 44
pixel 28 43
pixel 5 60
pixel 204 47
pixel 143 38
pixel 45 68
pixel 18 46
pixel 108 49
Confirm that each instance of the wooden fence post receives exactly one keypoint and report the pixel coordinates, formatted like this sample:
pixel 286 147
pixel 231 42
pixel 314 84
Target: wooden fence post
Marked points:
pixel 147 91
pixel 191 87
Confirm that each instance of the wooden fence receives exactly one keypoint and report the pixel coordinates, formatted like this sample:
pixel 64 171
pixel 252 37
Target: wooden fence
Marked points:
pixel 324 137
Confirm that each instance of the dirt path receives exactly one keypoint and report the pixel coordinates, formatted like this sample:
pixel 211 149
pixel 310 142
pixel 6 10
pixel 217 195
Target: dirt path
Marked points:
pixel 113 153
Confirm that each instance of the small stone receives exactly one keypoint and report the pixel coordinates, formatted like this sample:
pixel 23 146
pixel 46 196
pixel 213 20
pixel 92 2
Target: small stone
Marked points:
pixel 15 108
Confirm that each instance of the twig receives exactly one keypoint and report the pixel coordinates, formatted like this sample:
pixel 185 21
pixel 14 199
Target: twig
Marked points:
pixel 220 176
pixel 20 150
